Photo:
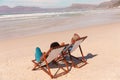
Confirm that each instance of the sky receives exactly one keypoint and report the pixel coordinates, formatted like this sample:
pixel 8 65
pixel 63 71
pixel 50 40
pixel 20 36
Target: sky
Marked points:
pixel 47 3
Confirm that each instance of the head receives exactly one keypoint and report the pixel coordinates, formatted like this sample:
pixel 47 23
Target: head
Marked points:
pixel 75 38
pixel 54 45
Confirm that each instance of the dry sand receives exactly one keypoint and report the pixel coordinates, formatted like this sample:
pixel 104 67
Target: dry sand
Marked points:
pixel 103 41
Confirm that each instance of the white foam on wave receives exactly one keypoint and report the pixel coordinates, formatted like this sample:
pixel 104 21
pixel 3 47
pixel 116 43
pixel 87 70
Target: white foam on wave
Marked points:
pixel 50 14
pixel 36 15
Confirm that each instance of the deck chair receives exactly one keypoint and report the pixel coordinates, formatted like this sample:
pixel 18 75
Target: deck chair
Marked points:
pixel 72 47
pixel 52 55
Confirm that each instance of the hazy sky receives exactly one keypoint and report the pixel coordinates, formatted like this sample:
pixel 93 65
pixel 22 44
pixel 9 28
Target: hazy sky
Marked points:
pixel 47 3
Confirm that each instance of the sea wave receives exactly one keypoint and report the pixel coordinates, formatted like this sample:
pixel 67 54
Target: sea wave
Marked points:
pixel 50 14
pixel 37 15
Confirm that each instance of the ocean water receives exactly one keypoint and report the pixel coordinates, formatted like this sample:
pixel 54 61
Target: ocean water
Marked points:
pixel 22 25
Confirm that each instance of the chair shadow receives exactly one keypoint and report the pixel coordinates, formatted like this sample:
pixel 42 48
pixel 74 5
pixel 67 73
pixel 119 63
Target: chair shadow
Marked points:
pixel 88 56
pixel 58 71
pixel 61 64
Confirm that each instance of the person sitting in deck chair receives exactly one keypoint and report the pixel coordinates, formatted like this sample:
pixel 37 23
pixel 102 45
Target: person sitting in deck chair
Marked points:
pixel 39 53
pixel 73 40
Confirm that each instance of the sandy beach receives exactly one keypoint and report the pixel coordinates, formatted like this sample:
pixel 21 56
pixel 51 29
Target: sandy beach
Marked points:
pixel 103 41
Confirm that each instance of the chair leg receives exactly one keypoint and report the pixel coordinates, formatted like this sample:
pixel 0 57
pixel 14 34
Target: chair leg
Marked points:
pixel 73 64
pixel 48 68
pixel 66 65
pixel 47 71
pixel 35 65
pixel 83 58
pixel 64 60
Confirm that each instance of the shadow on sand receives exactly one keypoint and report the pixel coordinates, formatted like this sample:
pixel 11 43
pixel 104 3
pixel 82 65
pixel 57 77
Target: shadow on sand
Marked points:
pixel 90 55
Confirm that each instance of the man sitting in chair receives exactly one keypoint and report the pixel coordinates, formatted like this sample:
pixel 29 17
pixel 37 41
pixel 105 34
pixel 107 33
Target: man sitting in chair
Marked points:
pixel 73 40
pixel 39 54
pixel 76 37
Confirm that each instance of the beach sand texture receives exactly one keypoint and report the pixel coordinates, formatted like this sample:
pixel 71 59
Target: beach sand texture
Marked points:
pixel 103 41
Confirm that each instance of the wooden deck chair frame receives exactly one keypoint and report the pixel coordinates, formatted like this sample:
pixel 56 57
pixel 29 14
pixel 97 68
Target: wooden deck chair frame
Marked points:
pixel 75 46
pixel 46 62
